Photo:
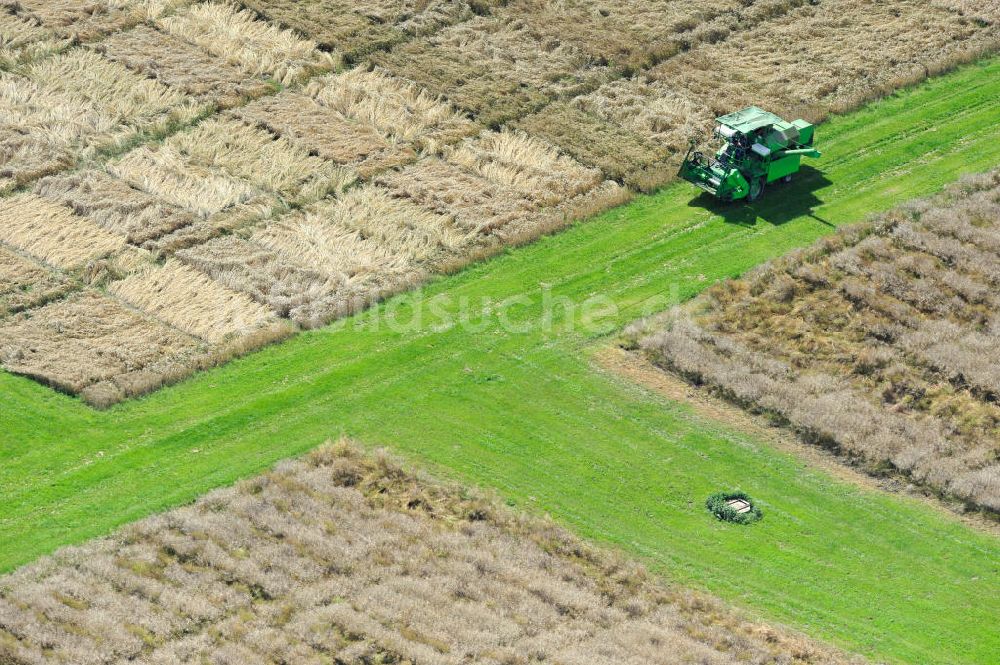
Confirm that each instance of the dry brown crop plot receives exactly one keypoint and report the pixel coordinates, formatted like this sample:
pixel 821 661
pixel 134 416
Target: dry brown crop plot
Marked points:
pixel 84 339
pixel 632 34
pixel 254 155
pixel 498 70
pixel 978 10
pixel 25 283
pixel 258 47
pixel 23 38
pixel 114 205
pixel 292 288
pixel 829 57
pixel 330 23
pixel 190 301
pixel 70 105
pixel 397 108
pixel 529 53
pixel 359 28
pixel 180 65
pixel 537 170
pixel 882 342
pixel 169 175
pixel 368 120
pixel 371 241
pixel 52 233
pixel 620 153
pixel 655 112
pixel 348 558
pixel 74 20
pixel 801 61
pixel 477 205
pixel 227 173
pixel 31 29
pixel 361 247
pixel 502 188
pixel 325 132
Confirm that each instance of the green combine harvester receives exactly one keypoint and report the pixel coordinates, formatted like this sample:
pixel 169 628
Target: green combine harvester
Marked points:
pixel 757 148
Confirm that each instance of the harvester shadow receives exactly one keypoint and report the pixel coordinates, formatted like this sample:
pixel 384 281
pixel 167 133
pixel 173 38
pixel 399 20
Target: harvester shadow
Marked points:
pixel 782 201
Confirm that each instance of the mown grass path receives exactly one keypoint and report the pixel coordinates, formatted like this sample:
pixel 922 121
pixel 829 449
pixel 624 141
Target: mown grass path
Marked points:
pixel 527 413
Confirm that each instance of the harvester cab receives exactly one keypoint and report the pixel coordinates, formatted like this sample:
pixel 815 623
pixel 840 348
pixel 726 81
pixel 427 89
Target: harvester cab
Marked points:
pixel 757 148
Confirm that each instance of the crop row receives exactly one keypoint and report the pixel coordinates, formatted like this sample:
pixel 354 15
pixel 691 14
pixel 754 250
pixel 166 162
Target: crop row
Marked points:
pixel 348 186
pixel 258 216
pixel 350 559
pixel 881 342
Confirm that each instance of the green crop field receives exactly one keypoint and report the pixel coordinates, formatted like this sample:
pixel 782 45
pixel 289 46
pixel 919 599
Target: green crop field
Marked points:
pixel 525 412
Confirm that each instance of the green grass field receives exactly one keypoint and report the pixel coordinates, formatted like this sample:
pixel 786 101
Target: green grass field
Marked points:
pixel 526 412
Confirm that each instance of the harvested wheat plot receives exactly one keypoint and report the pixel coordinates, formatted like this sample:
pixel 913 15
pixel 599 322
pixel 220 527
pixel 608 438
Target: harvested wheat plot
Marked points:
pixel 882 341
pixel 52 233
pixel 182 66
pixel 70 105
pixel 83 339
pixel 399 109
pixel 344 558
pixel 190 301
pixel 255 46
pixel 25 283
pixel 114 205
pixel 323 131
pixel 497 70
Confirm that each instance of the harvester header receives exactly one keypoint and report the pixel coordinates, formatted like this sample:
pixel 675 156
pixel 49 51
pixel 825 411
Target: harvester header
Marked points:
pixel 758 148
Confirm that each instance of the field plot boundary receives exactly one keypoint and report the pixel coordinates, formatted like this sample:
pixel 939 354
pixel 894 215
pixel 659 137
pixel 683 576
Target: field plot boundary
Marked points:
pixel 635 368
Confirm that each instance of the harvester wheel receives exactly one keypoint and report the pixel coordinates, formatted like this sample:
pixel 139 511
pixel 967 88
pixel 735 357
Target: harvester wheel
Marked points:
pixel 756 189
